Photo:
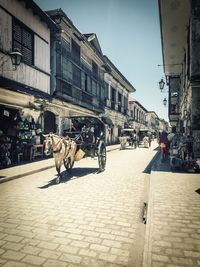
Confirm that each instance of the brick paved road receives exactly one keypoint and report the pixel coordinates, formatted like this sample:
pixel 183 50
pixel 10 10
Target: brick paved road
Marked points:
pixel 90 220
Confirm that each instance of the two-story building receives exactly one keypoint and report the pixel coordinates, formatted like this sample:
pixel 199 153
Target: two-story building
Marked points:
pixel 138 115
pixel 86 79
pixel 24 32
pixel 153 121
pixel 118 89
pixel 78 71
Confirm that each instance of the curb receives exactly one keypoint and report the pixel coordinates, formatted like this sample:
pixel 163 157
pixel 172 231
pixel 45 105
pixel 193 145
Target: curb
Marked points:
pixel 146 259
pixel 6 179
pixel 9 178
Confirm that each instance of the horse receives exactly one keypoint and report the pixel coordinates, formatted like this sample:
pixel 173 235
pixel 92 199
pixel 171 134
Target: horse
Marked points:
pixel 64 150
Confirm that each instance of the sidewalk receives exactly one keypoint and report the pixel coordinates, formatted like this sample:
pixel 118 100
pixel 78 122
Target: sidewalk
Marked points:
pixel 33 167
pixel 172 236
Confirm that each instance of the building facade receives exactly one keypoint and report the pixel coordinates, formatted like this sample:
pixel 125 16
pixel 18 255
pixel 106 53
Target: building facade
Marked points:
pixel 153 122
pixel 116 100
pixel 62 72
pixel 180 46
pixel 78 71
pixel 137 115
pixel 26 28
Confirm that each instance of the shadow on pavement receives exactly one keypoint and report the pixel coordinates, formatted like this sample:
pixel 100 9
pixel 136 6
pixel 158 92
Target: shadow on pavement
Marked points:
pixel 66 177
pixel 151 163
pixel 161 165
pixel 198 191
pixel 164 166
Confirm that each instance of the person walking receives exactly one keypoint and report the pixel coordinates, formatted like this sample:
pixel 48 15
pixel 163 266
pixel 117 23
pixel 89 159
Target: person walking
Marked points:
pixel 163 144
pixel 150 138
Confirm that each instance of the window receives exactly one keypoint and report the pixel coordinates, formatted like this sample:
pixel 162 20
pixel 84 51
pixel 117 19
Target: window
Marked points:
pixel 113 94
pixel 76 76
pixel 75 52
pixel 65 48
pixel 94 87
pixel 106 89
pixel 66 64
pixel 23 38
pixel 102 93
pixel 66 69
pixel 125 102
pixel 119 99
pixel 85 82
pixel 94 69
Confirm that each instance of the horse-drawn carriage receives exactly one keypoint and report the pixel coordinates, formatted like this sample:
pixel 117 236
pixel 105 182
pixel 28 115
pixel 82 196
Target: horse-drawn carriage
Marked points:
pixel 85 137
pixel 128 137
pixel 144 138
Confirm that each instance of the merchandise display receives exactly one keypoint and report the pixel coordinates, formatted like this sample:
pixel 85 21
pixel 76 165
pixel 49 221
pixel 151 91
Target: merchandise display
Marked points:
pixel 18 135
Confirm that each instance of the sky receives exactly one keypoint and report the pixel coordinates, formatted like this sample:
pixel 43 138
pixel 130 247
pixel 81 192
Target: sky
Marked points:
pixel 129 35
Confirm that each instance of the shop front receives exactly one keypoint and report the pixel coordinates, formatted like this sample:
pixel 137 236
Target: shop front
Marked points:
pixel 20 135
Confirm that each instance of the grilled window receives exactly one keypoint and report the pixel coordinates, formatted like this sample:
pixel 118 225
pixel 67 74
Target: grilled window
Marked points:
pixel 23 39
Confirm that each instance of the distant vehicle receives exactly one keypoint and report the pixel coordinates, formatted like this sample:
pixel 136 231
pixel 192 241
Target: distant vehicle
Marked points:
pixel 143 137
pixel 128 136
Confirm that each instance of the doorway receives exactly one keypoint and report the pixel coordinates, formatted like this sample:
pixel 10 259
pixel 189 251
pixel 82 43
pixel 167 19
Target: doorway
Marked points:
pixel 49 122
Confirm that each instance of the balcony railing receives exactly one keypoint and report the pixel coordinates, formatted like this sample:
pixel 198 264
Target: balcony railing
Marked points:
pixel 76 96
pixel 86 98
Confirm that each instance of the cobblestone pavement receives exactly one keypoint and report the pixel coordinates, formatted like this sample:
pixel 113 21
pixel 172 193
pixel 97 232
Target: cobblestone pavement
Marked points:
pixel 90 220
pixel 173 226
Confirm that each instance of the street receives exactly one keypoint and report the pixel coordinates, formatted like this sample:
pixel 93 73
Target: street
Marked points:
pixel 92 219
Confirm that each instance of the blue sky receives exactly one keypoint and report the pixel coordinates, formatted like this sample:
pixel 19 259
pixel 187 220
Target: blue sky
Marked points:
pixel 129 35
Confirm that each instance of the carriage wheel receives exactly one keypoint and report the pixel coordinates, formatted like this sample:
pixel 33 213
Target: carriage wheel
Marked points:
pixel 102 157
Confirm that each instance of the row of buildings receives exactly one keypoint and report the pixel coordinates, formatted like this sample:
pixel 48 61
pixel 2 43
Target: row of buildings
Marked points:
pixel 62 73
pixel 181 57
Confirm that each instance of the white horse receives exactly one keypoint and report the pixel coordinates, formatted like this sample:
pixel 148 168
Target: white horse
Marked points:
pixel 63 149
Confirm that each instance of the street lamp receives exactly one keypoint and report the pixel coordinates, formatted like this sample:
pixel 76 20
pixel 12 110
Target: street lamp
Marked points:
pixel 161 84
pixel 16 57
pixel 165 101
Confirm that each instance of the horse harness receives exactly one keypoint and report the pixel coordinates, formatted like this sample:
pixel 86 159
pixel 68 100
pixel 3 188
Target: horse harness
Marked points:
pixel 58 149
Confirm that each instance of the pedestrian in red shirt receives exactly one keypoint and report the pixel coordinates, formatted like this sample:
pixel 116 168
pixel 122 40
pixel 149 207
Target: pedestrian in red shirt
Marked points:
pixel 163 144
